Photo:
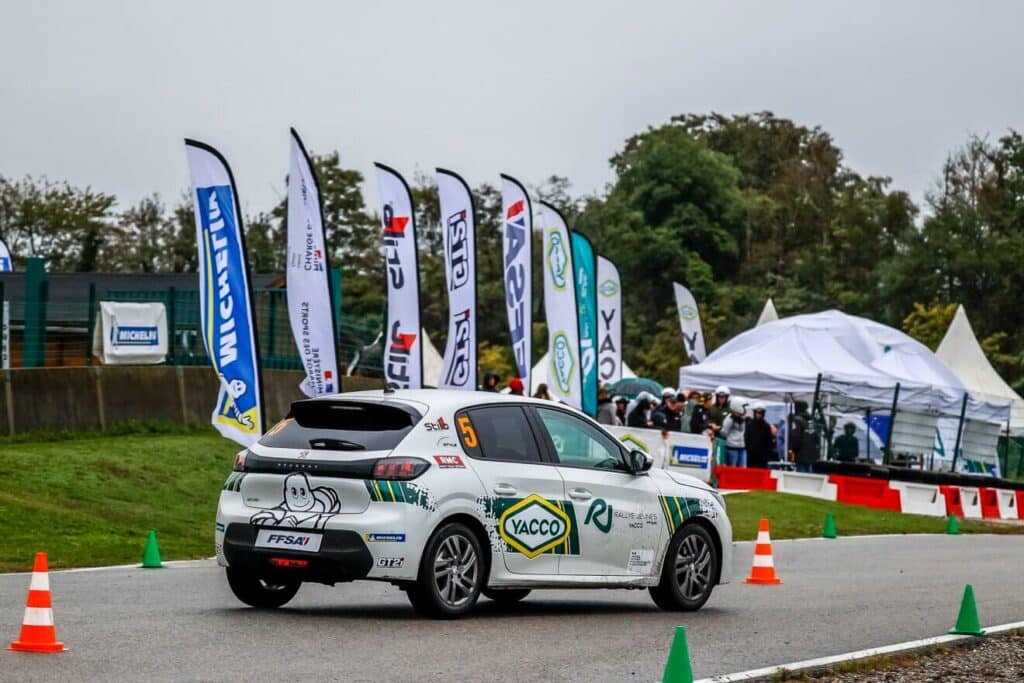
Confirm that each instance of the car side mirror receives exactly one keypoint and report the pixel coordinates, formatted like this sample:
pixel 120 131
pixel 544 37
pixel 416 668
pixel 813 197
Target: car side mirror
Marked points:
pixel 640 461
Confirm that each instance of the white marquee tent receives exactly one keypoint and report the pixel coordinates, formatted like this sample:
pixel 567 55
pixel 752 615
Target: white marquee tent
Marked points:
pixel 961 351
pixel 768 313
pixel 859 361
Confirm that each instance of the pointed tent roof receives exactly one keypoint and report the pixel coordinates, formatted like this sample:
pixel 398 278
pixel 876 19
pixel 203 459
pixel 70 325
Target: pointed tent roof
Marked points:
pixel 768 314
pixel 961 351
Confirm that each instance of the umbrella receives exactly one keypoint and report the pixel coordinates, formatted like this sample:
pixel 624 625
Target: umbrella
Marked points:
pixel 632 386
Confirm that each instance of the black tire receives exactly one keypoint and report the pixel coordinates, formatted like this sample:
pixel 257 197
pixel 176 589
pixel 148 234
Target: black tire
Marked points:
pixel 452 573
pixel 506 596
pixel 259 592
pixel 689 572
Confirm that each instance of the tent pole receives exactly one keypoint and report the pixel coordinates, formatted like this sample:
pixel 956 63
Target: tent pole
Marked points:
pixel 959 431
pixel 887 456
pixel 868 434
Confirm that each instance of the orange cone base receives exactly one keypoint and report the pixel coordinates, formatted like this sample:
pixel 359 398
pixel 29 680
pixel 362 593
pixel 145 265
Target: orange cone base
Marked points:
pixel 19 646
pixel 772 581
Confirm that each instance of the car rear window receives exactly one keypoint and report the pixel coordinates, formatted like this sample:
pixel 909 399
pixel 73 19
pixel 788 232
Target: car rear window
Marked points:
pixel 342 426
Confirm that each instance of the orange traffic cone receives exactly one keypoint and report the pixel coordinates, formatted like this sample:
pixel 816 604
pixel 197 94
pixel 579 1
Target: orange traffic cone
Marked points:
pixel 763 571
pixel 37 631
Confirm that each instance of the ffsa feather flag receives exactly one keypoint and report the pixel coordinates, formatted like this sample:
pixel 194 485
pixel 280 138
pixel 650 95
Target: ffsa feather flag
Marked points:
pixel 227 320
pixel 403 347
pixel 609 321
pixel 458 225
pixel 584 267
pixel 517 262
pixel 564 376
pixel 689 323
pixel 307 272
pixel 6 262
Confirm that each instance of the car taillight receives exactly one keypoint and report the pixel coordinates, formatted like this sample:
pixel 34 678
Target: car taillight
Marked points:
pixel 399 468
pixel 288 562
pixel 240 461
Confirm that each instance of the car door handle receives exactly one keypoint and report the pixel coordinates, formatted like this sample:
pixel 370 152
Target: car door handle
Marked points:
pixel 505 490
pixel 580 494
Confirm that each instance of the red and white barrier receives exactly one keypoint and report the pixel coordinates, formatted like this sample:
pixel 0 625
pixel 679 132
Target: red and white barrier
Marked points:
pixel 920 499
pixel 814 485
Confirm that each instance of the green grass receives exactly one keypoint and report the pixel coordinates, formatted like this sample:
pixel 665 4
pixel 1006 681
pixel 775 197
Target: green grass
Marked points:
pixel 793 516
pixel 90 501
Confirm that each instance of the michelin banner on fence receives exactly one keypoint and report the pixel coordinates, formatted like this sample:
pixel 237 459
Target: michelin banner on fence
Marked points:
pixel 307 272
pixel 6 262
pixel 609 322
pixel 403 347
pixel 459 237
pixel 225 296
pixel 517 252
pixel 689 323
pixel 676 451
pixel 564 376
pixel 584 267
pixel 131 333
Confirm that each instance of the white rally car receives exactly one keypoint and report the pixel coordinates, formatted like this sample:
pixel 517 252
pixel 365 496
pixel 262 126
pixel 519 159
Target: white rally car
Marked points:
pixel 448 494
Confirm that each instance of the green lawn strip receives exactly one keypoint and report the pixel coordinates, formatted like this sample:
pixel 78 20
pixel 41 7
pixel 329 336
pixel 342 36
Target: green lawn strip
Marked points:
pixel 91 501
pixel 793 516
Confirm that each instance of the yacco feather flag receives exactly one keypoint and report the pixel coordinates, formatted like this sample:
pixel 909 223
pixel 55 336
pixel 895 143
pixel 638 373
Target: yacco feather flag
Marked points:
pixel 6 263
pixel 459 234
pixel 689 323
pixel 564 376
pixel 517 262
pixel 307 271
pixel 609 321
pixel 403 348
pixel 225 297
pixel 584 267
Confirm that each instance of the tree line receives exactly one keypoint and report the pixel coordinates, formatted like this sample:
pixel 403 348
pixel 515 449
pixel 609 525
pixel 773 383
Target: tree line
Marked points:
pixel 738 208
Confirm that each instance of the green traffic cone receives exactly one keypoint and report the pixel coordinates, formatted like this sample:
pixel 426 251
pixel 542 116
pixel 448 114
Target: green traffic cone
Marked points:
pixel 677 668
pixel 967 623
pixel 952 525
pixel 830 526
pixel 151 555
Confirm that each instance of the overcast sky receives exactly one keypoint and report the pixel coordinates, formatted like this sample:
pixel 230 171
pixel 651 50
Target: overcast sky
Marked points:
pixel 102 93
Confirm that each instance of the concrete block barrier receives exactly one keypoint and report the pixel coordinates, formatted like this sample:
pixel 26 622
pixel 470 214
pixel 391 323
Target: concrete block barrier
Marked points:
pixel 920 499
pixel 814 485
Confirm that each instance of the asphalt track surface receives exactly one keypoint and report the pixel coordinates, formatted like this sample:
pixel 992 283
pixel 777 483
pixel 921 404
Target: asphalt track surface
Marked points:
pixel 181 623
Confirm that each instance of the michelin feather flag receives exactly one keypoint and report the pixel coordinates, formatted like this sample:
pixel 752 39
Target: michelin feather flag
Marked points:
pixel 609 321
pixel 403 347
pixel 517 262
pixel 6 262
pixel 458 226
pixel 225 297
pixel 689 323
pixel 310 309
pixel 564 376
pixel 584 267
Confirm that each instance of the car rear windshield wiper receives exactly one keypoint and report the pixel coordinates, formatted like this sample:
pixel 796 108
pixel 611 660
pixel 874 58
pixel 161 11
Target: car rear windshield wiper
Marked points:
pixel 335 445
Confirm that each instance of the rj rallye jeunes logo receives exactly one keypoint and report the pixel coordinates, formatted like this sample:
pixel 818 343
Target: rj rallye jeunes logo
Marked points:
pixel 534 525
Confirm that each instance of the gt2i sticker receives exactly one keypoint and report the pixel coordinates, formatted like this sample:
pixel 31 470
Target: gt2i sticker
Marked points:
pixel 303 505
pixel 448 461
pixel 390 562
pixel 384 538
pixel 640 561
pixel 534 525
pixel 597 508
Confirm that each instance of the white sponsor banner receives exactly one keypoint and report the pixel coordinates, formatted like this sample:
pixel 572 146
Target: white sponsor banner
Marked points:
pixel 227 320
pixel 310 309
pixel 564 375
pixel 689 322
pixel 403 347
pixel 6 262
pixel 131 333
pixel 5 335
pixel 517 261
pixel 458 226
pixel 609 322
pixel 677 451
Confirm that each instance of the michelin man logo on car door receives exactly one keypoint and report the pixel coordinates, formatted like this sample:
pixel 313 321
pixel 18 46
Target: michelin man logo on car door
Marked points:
pixel 303 505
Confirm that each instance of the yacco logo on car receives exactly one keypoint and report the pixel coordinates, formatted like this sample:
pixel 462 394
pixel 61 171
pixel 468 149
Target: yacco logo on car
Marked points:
pixel 690 456
pixel 459 373
pixel 533 526
pixel 563 362
pixel 634 442
pixel 558 259
pixel 448 461
pixel 458 250
pixel 384 538
pixel 439 426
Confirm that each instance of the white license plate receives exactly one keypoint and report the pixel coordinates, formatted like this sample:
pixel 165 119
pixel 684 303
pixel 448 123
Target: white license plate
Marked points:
pixel 288 540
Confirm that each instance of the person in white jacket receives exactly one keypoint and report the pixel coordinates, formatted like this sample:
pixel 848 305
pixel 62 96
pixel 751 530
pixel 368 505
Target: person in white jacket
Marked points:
pixel 734 430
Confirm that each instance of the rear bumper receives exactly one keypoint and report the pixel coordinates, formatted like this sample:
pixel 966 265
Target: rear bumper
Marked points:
pixel 343 556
